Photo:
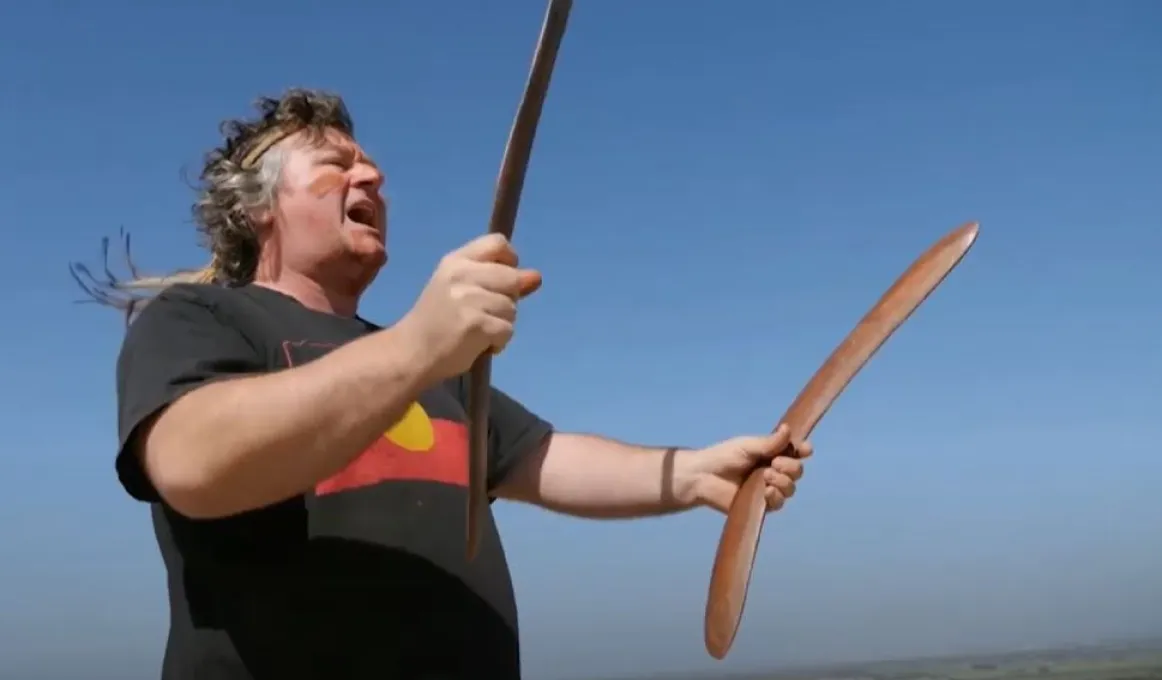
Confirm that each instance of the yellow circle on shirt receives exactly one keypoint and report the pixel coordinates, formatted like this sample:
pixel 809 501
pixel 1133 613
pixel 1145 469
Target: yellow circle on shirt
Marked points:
pixel 414 431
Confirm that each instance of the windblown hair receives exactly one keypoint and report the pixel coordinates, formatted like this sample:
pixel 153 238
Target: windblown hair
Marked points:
pixel 238 178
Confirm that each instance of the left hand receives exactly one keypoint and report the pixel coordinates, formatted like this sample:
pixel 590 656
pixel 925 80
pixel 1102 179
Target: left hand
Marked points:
pixel 716 472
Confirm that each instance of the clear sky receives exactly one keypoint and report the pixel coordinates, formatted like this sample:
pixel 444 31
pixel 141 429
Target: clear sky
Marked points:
pixel 718 192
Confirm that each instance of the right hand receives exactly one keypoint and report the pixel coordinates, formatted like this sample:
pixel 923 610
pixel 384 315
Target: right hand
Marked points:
pixel 469 305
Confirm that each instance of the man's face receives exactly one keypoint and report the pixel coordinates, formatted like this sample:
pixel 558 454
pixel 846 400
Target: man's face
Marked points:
pixel 331 217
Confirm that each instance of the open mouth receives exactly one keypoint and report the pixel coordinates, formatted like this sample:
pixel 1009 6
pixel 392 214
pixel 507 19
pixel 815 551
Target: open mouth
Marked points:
pixel 362 213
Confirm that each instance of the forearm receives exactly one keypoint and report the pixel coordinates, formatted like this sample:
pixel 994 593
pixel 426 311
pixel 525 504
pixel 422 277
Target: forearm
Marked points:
pixel 246 443
pixel 599 478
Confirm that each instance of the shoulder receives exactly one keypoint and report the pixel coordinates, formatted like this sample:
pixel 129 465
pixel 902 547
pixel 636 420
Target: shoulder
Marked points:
pixel 181 297
pixel 207 296
pixel 188 315
pixel 202 304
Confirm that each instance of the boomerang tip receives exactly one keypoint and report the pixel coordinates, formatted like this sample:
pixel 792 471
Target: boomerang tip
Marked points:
pixel 968 232
pixel 962 238
pixel 718 648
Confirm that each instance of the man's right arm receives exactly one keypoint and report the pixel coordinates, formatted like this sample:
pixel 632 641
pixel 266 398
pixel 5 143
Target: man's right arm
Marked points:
pixel 212 437
pixel 206 430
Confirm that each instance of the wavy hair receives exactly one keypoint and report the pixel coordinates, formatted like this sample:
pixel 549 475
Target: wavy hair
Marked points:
pixel 237 179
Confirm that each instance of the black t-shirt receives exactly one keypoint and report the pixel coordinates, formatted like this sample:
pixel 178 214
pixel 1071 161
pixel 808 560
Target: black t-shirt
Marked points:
pixel 365 576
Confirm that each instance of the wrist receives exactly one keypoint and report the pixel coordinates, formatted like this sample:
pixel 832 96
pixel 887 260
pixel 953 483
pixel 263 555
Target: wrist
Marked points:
pixel 405 355
pixel 687 483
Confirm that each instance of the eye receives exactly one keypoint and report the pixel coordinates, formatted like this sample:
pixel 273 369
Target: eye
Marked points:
pixel 332 159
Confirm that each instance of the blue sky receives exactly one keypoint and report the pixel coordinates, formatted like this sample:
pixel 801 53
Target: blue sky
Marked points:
pixel 715 197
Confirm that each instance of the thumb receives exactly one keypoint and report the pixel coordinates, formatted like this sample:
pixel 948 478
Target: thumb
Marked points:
pixel 530 282
pixel 758 450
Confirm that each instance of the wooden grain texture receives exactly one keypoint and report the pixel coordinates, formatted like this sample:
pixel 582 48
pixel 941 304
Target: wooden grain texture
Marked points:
pixel 509 184
pixel 740 537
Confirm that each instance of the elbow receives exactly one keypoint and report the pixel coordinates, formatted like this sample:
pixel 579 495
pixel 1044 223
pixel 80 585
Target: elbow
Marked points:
pixel 190 499
pixel 175 461
pixel 182 475
pixel 186 487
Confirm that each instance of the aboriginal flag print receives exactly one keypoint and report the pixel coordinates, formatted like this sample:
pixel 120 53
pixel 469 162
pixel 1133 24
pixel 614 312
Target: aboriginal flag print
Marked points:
pixel 420 446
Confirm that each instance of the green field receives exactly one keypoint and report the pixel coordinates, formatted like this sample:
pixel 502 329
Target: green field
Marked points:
pixel 1127 661
pixel 1090 664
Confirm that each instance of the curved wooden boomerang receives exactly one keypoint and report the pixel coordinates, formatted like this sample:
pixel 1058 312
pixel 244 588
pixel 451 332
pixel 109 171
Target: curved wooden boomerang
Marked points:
pixel 744 522
pixel 504 208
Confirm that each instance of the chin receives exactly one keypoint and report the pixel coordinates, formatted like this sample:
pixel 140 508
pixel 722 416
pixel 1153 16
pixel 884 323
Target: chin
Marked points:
pixel 366 242
pixel 371 256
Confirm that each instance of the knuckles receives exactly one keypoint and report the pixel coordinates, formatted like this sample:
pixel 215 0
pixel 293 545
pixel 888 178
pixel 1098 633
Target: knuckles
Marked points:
pixel 453 269
pixel 461 304
pixel 459 293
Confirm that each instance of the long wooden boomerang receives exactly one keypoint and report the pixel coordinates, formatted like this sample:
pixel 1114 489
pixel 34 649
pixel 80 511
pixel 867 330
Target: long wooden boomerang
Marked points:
pixel 744 522
pixel 509 184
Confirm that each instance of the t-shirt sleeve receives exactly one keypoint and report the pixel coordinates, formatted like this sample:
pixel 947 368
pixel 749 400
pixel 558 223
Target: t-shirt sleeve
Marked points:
pixel 177 344
pixel 514 432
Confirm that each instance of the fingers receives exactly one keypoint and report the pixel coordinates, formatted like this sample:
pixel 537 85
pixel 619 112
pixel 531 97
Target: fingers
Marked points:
pixel 494 305
pixel 498 332
pixel 775 499
pixel 781 477
pixel 790 445
pixel 792 468
pixel 786 454
pixel 491 263
pixel 489 248
pixel 498 318
pixel 469 305
pixel 779 486
pixel 496 278
pixel 486 284
pixel 783 483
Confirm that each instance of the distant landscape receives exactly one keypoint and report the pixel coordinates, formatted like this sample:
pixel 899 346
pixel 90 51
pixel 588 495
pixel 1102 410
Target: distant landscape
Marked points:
pixel 1136 660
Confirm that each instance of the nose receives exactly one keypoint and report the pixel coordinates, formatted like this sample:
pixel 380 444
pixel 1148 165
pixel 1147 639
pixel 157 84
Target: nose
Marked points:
pixel 367 177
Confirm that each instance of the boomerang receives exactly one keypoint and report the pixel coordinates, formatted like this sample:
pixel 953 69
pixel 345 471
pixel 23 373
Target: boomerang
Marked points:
pixel 509 184
pixel 740 537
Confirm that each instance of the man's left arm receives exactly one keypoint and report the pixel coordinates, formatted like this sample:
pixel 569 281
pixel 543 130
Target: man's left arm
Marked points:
pixel 578 474
pixel 597 477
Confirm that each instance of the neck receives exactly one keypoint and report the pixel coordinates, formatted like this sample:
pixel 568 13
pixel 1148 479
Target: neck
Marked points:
pixel 312 294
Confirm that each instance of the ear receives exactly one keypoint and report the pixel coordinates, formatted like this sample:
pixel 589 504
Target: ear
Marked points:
pixel 262 221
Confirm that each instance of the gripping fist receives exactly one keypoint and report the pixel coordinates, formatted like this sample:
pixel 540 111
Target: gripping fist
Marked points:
pixel 716 473
pixel 469 305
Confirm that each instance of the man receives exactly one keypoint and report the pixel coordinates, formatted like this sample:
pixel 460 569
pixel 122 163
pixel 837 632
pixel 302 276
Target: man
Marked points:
pixel 307 468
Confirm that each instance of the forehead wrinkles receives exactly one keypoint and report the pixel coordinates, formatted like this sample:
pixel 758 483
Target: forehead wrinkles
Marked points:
pixel 335 141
